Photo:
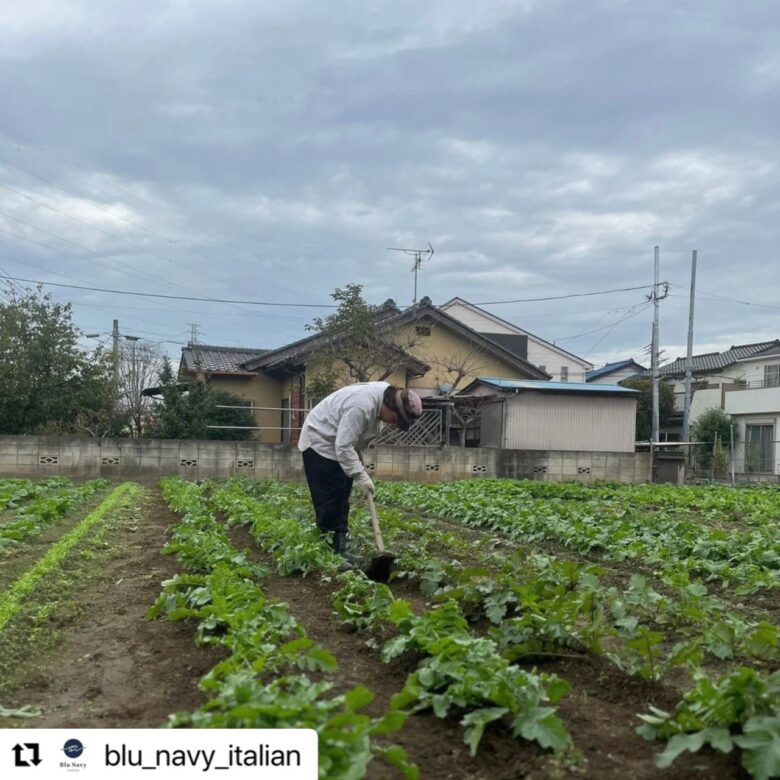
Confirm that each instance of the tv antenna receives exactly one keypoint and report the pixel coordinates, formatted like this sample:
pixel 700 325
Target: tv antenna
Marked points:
pixel 420 256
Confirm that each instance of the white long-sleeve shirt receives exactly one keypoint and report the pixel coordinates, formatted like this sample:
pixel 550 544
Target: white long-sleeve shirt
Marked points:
pixel 342 424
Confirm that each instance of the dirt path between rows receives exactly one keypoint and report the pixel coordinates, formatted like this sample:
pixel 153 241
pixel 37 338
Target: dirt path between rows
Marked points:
pixel 600 712
pixel 114 668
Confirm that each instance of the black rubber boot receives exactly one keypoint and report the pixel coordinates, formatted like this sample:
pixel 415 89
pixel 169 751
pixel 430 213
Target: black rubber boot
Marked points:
pixel 339 545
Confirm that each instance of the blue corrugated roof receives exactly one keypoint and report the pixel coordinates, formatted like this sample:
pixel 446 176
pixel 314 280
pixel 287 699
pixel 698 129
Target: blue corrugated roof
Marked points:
pixel 540 384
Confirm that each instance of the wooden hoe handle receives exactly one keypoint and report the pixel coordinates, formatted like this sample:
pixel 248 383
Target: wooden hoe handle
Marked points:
pixel 375 523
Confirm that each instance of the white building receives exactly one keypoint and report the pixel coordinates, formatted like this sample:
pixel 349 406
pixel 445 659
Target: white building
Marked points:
pixel 563 366
pixel 744 382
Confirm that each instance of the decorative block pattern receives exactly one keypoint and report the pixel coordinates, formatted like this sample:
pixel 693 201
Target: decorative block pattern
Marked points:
pixel 49 460
pixel 109 460
pixel 479 469
pixel 370 466
pixel 245 463
pixel 431 466
pixel 583 469
pixel 188 462
pixel 540 469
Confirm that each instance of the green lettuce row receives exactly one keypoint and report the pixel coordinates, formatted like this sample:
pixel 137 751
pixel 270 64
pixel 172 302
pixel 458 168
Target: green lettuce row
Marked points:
pixel 739 709
pixel 617 530
pixel 15 491
pixel 263 683
pixel 13 599
pixel 31 519
pixel 460 672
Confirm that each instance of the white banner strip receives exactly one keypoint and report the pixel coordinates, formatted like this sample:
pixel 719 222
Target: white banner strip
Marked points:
pixel 179 754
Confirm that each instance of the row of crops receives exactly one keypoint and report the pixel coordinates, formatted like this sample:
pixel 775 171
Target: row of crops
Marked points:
pixel 30 508
pixel 512 574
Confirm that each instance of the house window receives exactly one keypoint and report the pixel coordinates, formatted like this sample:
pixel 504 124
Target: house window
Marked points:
pixel 423 330
pixel 772 376
pixel 564 373
pixel 759 448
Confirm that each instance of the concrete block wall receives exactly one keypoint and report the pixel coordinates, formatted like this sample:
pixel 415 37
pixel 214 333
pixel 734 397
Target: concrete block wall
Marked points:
pixel 150 459
pixel 562 466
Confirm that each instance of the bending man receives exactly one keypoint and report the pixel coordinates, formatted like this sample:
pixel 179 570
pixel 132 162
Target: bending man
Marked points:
pixel 334 434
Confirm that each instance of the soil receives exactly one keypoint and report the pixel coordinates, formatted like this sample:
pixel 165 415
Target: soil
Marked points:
pixel 114 668
pixel 600 712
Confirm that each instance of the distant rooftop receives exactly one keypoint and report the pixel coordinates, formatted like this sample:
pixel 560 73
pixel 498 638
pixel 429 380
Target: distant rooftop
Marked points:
pixel 713 361
pixel 220 360
pixel 610 367
pixel 544 386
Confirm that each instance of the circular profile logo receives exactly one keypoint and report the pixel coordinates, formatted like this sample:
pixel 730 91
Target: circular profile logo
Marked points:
pixel 73 748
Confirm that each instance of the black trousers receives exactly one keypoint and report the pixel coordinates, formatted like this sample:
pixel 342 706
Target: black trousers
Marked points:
pixel 330 488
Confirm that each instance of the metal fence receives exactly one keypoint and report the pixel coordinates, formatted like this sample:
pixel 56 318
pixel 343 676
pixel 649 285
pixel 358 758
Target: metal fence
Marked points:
pixel 755 460
pixel 428 431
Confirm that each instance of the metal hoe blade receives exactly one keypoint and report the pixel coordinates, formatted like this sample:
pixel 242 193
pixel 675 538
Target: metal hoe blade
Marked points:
pixel 381 565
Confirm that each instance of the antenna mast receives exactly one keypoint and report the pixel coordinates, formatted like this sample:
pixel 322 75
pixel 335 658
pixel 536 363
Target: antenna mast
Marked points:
pixel 417 254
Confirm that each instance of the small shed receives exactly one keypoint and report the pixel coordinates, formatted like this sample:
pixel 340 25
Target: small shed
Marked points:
pixel 541 415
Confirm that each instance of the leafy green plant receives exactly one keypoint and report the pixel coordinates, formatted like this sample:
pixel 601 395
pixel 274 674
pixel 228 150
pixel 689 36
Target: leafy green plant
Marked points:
pixel 468 674
pixel 742 708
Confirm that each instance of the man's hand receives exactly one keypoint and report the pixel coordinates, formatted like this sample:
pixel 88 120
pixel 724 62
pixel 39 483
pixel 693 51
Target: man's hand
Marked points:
pixel 363 481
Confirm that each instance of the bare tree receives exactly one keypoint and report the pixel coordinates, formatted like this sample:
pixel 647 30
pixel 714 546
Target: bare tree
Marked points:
pixel 453 367
pixel 140 364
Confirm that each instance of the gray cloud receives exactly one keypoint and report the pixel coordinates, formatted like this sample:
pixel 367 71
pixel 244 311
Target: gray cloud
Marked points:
pixel 273 151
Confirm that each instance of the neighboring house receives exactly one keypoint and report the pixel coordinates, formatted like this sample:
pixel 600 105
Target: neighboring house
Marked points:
pixel 561 365
pixel 445 355
pixel 573 416
pixel 744 381
pixel 614 373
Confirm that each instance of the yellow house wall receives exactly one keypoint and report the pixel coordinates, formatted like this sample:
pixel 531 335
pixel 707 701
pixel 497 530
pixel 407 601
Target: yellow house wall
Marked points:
pixel 443 342
pixel 262 390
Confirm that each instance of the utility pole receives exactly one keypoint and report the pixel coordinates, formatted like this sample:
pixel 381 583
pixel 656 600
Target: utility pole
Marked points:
pixel 689 357
pixel 115 354
pixel 417 254
pixel 654 357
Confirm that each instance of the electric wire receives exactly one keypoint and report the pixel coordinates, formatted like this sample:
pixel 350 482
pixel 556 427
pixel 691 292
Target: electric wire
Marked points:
pixel 570 295
pixel 173 297
pixel 136 224
pixel 639 308
pixel 717 297
pixel 135 246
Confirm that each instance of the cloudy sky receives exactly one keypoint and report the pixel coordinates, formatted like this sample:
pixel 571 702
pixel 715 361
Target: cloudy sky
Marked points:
pixel 271 151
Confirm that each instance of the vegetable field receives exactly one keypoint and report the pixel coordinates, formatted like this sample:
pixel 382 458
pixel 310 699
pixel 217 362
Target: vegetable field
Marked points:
pixel 531 629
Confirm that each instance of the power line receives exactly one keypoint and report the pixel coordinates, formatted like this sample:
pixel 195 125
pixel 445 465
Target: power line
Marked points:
pixel 137 247
pixel 638 309
pixel 80 257
pixel 170 297
pixel 571 295
pixel 717 297
pixel 139 273
pixel 133 223
pixel 614 325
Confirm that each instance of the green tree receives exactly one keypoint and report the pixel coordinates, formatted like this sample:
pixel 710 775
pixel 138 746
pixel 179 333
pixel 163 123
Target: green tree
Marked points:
pixel 47 383
pixel 711 426
pixel 187 412
pixel 644 407
pixel 357 337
